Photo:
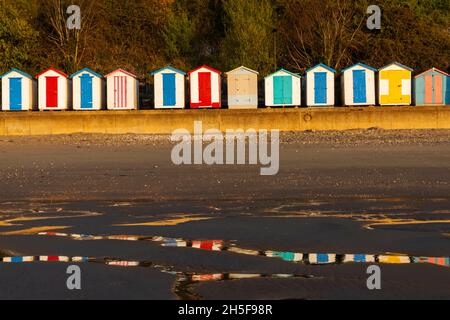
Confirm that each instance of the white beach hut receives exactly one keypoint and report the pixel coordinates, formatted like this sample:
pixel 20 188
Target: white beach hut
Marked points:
pixel 88 90
pixel 122 90
pixel 358 85
pixel 320 82
pixel 54 90
pixel 170 88
pixel 283 88
pixel 18 91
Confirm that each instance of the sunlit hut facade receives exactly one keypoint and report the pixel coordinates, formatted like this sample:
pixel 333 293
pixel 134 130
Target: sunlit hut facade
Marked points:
pixel 204 83
pixel 395 85
pixel 432 87
pixel 169 84
pixel 320 82
pixel 242 88
pixel 283 89
pixel 18 91
pixel 54 93
pixel 358 85
pixel 122 90
pixel 88 90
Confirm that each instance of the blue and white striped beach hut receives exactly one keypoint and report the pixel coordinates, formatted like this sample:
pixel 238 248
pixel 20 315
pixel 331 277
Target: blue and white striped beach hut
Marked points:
pixel 170 84
pixel 320 81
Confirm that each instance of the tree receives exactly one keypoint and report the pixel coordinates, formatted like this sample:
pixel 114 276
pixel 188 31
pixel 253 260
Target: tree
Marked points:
pixel 17 39
pixel 71 45
pixel 327 31
pixel 249 35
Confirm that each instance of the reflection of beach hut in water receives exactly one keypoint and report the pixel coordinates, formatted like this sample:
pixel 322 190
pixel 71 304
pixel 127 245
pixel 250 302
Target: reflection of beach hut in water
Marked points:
pixel 359 258
pixel 432 88
pixel 18 91
pixel 321 258
pixel 122 90
pixel 53 90
pixel 286 256
pixel 395 85
pixel 169 88
pixel 320 82
pixel 205 90
pixel 283 89
pixel 242 88
pixel 358 85
pixel 87 90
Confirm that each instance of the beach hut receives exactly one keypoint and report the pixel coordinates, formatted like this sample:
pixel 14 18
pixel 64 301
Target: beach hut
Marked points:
pixel 122 90
pixel 205 88
pixel 283 89
pixel 395 85
pixel 18 91
pixel 88 90
pixel 358 85
pixel 169 88
pixel 54 90
pixel 242 88
pixel 321 258
pixel 320 82
pixel 432 88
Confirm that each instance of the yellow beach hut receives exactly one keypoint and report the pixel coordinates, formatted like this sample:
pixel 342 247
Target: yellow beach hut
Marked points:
pixel 395 85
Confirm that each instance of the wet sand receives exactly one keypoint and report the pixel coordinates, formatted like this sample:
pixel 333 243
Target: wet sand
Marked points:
pixel 377 193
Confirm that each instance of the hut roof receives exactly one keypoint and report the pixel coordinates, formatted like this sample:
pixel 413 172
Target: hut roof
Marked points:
pixel 54 70
pixel 323 66
pixel 206 67
pixel 26 75
pixel 86 70
pixel 284 70
pixel 169 68
pixel 121 70
pixel 397 64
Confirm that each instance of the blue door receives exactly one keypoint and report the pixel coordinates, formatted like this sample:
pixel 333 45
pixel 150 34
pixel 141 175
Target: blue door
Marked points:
pixel 86 91
pixel 282 90
pixel 169 92
pixel 15 94
pixel 359 86
pixel 320 87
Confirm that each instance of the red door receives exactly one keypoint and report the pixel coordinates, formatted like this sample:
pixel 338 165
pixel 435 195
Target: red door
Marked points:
pixel 120 92
pixel 52 92
pixel 204 87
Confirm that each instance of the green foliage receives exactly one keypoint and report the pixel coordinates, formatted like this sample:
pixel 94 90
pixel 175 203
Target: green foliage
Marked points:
pixel 142 35
pixel 249 35
pixel 17 39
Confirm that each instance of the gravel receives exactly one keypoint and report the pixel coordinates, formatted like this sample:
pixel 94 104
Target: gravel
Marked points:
pixel 350 138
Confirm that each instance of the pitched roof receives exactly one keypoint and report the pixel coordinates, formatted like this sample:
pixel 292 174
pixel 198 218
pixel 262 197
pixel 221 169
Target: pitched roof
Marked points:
pixel 397 64
pixel 206 67
pixel 86 70
pixel 26 75
pixel 323 66
pixel 54 70
pixel 284 70
pixel 121 70
pixel 169 68
pixel 433 69
pixel 361 65
pixel 243 68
